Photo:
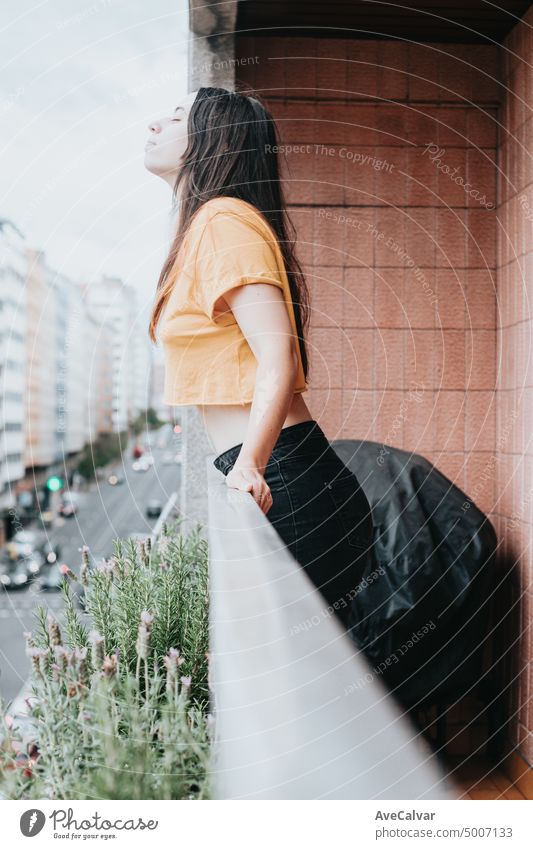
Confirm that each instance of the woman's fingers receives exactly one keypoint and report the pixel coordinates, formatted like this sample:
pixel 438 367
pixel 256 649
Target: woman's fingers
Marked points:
pixel 266 500
pixel 257 485
pixel 261 494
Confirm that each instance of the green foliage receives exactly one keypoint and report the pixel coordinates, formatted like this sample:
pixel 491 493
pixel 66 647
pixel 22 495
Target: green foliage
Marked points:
pixel 145 420
pixel 120 695
pixel 106 448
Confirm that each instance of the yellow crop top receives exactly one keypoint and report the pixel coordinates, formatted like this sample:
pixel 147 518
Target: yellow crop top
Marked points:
pixel 207 358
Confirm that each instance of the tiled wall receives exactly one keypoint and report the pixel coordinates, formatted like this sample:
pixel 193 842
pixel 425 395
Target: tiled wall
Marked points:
pixel 400 258
pixel 514 471
pixel 420 333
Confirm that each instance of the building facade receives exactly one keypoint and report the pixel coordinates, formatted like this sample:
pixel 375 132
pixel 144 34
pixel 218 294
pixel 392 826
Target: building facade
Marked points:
pixel 12 364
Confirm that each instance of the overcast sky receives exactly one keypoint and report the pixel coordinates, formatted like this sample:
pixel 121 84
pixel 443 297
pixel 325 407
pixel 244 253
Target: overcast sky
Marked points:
pixel 80 82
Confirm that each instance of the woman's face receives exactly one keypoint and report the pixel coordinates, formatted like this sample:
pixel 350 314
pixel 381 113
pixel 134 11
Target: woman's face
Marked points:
pixel 168 141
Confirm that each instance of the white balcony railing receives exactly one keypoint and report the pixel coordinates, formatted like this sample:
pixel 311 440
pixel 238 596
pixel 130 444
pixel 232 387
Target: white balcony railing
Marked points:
pixel 292 719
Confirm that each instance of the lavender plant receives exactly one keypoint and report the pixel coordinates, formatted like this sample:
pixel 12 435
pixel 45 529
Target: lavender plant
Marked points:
pixel 120 696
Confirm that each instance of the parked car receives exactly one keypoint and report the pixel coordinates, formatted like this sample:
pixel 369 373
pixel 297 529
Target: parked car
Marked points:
pixel 23 543
pixel 29 541
pixel 33 564
pixel 14 574
pixel 51 552
pixel 153 509
pixel 50 579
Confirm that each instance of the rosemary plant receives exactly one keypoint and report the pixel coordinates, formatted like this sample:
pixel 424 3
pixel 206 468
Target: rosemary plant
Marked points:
pixel 120 696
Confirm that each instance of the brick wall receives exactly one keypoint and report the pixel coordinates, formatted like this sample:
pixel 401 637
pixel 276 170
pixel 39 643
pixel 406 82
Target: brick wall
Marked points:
pixel 420 333
pixel 400 259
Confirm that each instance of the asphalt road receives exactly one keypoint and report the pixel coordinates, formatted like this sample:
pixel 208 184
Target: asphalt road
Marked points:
pixel 105 513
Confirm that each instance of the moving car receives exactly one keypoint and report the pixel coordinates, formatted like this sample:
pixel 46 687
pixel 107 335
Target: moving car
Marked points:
pixel 24 542
pixel 68 506
pixel 153 508
pixel 14 574
pixel 33 564
pixel 30 542
pixel 115 479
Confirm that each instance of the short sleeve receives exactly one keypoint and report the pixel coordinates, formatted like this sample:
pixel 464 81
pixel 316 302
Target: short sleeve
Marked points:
pixel 231 252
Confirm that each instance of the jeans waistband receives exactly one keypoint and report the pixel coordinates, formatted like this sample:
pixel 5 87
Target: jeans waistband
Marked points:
pixel 299 435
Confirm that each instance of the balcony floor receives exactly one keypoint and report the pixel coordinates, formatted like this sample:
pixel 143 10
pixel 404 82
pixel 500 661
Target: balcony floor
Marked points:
pixel 477 778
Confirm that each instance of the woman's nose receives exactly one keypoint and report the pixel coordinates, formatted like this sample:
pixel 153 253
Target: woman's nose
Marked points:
pixel 153 126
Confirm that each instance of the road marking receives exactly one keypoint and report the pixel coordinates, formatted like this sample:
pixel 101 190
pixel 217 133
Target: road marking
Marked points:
pixel 164 513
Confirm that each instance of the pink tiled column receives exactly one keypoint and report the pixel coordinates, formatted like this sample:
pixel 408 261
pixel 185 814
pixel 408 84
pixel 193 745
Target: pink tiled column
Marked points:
pixel 514 413
pixel 400 259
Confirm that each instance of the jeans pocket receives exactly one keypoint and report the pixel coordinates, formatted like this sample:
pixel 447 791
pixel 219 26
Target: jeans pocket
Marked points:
pixel 351 509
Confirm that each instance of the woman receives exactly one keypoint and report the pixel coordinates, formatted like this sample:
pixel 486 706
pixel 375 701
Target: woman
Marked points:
pixel 237 351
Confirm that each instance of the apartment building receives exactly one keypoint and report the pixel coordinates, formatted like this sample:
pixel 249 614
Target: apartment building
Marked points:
pixel 12 363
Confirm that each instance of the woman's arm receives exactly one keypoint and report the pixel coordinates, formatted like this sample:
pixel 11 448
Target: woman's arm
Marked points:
pixel 262 315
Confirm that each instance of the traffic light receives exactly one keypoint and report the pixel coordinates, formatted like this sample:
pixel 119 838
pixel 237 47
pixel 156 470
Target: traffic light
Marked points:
pixel 54 483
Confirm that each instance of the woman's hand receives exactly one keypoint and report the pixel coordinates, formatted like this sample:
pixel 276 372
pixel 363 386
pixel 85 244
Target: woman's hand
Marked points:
pixel 251 480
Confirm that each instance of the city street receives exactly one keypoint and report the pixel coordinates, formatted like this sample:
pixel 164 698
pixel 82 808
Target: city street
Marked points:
pixel 105 512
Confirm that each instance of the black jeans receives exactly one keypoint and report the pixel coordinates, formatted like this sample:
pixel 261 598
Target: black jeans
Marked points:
pixel 319 510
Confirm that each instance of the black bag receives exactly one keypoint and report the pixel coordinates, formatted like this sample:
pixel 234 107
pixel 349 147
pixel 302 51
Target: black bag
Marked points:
pixel 420 612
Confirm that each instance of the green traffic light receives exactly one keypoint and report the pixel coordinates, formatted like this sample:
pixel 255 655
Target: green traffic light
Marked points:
pixel 54 483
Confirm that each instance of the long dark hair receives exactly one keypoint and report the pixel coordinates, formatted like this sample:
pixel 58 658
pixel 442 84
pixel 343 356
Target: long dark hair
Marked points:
pixel 232 152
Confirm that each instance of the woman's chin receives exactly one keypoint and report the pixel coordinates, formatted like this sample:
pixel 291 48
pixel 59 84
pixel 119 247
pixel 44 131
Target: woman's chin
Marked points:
pixel 150 162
